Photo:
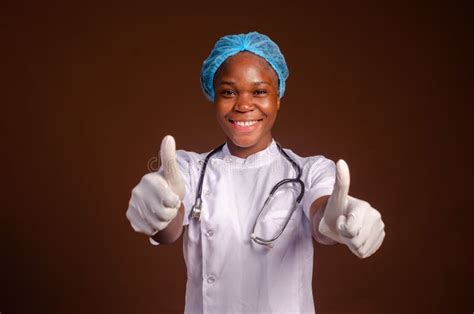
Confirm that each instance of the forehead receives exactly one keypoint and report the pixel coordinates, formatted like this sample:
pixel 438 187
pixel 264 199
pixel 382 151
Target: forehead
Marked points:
pixel 246 63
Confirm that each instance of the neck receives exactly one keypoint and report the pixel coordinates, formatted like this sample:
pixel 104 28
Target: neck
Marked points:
pixel 244 152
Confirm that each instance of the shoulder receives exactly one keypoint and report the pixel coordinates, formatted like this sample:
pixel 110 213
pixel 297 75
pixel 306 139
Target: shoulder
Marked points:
pixel 311 162
pixel 189 158
pixel 314 169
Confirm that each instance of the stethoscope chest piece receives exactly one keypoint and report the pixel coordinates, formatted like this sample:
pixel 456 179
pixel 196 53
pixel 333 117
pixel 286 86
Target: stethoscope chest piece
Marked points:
pixel 196 212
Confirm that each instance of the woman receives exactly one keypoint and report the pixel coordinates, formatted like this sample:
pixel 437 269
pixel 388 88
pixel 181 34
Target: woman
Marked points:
pixel 247 252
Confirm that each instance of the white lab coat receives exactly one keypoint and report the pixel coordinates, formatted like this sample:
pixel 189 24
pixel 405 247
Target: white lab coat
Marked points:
pixel 226 271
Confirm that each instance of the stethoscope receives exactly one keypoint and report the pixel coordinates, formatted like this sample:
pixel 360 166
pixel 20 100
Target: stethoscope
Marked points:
pixel 197 208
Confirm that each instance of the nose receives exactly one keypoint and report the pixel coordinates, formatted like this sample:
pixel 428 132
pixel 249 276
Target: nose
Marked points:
pixel 244 103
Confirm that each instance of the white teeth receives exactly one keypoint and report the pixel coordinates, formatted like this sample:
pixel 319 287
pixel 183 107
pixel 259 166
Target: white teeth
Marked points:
pixel 245 123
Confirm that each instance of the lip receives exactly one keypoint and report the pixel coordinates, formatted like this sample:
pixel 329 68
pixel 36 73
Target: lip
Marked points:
pixel 240 128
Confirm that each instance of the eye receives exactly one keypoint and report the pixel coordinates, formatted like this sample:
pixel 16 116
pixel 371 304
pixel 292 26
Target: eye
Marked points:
pixel 228 93
pixel 260 92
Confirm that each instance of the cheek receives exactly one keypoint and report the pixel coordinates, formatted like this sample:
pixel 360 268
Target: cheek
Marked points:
pixel 219 109
pixel 220 113
pixel 269 108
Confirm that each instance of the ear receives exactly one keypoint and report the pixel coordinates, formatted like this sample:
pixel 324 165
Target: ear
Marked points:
pixel 278 103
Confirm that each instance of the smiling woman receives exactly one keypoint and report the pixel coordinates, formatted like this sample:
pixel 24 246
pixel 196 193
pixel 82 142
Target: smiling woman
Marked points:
pixel 237 261
pixel 246 102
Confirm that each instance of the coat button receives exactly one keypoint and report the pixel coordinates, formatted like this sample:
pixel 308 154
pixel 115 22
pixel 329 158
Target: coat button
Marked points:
pixel 209 233
pixel 211 279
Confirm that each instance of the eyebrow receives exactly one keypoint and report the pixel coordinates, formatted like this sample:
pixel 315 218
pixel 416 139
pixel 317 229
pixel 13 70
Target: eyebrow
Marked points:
pixel 253 83
pixel 260 83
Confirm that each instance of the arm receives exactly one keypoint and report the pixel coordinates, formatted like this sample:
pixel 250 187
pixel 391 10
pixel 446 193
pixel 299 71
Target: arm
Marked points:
pixel 173 231
pixel 316 213
pixel 349 220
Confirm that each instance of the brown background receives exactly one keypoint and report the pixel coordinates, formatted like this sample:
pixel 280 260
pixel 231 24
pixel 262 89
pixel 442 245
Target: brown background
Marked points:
pixel 90 89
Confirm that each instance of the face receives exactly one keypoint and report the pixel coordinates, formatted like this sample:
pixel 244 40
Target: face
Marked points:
pixel 247 102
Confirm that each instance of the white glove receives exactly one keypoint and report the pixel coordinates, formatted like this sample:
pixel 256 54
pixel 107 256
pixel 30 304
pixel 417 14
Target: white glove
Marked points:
pixel 156 199
pixel 349 220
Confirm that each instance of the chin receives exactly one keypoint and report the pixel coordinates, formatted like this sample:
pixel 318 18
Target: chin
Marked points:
pixel 246 141
pixel 243 141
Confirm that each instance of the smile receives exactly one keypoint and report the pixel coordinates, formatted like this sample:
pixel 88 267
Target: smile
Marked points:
pixel 247 125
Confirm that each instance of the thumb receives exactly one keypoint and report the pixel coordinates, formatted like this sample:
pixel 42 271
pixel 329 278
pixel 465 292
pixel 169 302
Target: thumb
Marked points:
pixel 337 202
pixel 170 166
pixel 339 194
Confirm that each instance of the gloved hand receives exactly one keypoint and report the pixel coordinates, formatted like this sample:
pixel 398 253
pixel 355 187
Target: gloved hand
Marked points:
pixel 156 199
pixel 349 220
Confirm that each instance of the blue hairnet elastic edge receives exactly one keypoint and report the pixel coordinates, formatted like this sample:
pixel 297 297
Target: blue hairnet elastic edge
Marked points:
pixel 211 94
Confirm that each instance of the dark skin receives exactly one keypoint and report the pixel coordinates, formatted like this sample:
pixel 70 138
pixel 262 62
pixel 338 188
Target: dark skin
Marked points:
pixel 246 91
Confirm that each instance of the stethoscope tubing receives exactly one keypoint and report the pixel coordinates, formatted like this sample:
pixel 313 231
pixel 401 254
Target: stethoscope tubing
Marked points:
pixel 196 211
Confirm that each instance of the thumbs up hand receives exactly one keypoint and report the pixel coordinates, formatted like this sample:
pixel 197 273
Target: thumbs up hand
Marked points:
pixel 349 220
pixel 156 199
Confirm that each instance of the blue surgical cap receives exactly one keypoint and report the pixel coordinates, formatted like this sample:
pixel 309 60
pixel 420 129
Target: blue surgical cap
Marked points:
pixel 230 45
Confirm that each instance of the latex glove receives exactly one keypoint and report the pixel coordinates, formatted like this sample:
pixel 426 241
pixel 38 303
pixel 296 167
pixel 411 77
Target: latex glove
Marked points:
pixel 156 199
pixel 349 220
